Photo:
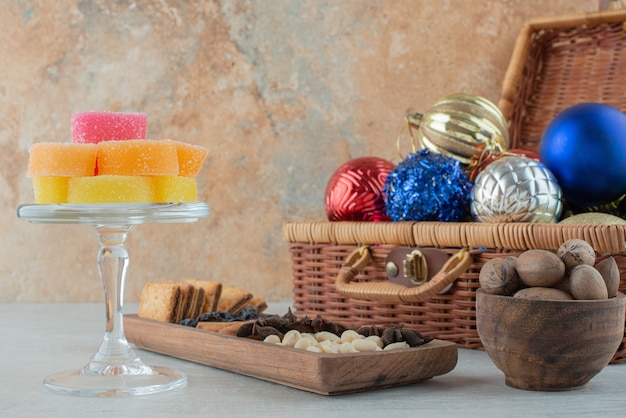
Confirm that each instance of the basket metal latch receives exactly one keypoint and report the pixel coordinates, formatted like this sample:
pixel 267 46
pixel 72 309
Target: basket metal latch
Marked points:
pixel 415 267
pixel 412 267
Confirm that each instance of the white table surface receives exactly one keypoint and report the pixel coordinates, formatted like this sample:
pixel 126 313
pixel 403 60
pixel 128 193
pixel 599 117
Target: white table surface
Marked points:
pixel 40 339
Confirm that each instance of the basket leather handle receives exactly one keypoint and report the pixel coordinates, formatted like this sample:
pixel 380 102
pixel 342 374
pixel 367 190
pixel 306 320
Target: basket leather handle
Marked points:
pixel 393 292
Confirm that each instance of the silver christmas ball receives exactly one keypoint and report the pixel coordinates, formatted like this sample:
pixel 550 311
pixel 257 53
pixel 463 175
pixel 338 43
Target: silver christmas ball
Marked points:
pixel 516 189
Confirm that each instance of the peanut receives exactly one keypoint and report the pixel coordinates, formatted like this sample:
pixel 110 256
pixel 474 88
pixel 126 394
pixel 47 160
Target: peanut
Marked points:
pixel 395 346
pixel 326 336
pixel 291 337
pixel 365 345
pixel 272 339
pixel 327 342
pixel 347 348
pixel 379 341
pixel 329 346
pixel 304 342
pixel 350 335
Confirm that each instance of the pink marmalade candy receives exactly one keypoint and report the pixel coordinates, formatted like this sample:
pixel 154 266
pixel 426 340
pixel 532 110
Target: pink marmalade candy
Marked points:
pixel 94 127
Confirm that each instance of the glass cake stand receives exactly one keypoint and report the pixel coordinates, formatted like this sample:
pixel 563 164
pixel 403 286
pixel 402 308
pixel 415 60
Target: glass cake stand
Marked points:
pixel 115 369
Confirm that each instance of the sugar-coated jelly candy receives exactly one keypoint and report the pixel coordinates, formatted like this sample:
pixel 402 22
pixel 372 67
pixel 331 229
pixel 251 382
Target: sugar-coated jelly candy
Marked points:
pixel 110 189
pixel 94 127
pixel 175 189
pixel 50 190
pixel 49 159
pixel 138 158
pixel 190 159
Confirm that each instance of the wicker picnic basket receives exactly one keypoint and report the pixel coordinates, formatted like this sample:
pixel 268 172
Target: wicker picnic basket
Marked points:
pixel 345 270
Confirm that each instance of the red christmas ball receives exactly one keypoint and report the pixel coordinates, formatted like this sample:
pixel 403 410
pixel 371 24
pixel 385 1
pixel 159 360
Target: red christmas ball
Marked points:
pixel 355 191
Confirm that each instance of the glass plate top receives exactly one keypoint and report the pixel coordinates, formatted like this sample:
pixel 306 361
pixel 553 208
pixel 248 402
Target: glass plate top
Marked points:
pixel 113 213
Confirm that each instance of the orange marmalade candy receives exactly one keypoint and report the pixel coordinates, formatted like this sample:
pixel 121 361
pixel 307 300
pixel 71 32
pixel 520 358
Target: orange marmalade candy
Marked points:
pixel 52 159
pixel 138 158
pixel 190 159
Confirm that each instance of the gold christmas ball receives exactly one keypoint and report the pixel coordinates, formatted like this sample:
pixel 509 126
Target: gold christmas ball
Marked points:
pixel 593 218
pixel 463 126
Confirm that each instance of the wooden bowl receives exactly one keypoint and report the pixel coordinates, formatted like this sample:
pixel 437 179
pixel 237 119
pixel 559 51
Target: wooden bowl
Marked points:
pixel 549 345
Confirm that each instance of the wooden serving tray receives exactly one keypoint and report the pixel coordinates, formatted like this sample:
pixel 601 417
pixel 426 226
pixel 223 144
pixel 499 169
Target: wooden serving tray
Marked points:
pixel 326 374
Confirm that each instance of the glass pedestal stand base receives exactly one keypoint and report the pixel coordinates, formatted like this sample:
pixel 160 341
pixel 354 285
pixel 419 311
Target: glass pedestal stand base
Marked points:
pixel 115 369
pixel 84 383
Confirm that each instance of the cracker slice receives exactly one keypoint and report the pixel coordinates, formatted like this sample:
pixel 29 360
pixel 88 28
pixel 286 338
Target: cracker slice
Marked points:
pixel 183 301
pixel 232 299
pixel 212 292
pixel 159 301
pixel 196 301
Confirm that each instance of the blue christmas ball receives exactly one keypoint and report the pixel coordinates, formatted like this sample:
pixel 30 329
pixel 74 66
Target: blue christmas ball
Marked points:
pixel 428 187
pixel 585 148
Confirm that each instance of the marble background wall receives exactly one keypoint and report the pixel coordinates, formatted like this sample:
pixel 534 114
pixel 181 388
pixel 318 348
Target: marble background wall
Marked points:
pixel 280 92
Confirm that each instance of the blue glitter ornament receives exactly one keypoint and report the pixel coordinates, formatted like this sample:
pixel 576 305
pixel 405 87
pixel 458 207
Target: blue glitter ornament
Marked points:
pixel 585 148
pixel 428 187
